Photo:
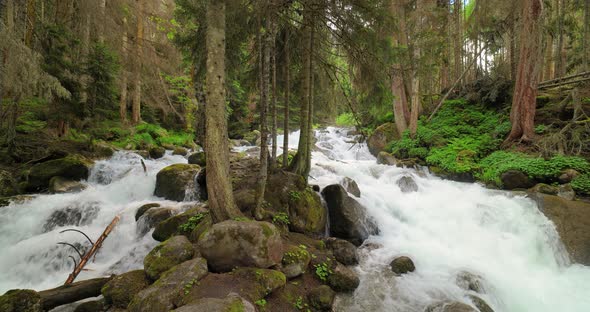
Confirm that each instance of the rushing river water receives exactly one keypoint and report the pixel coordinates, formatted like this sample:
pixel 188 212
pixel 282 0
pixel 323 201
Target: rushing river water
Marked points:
pixel 445 227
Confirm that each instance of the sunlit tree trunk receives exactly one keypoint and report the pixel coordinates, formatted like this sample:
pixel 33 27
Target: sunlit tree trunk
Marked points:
pixel 123 87
pixel 136 105
pixel 522 114
pixel 400 98
pixel 219 188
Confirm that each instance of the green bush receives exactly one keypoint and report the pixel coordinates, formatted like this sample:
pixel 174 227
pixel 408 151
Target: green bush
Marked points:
pixel 178 139
pixel 581 184
pixel 345 120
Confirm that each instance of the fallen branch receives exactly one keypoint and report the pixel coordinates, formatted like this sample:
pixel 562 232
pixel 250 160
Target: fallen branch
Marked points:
pixel 65 294
pixel 563 83
pixel 543 83
pixel 95 247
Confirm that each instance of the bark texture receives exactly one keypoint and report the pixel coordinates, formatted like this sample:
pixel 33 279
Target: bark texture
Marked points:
pixel 136 106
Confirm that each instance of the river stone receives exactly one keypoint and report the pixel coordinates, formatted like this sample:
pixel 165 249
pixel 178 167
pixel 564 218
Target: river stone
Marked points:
pixel 231 244
pixel 348 218
pixel 173 181
pixel 407 184
pixel 450 306
pixel 151 218
pixel 8 185
pixel 232 302
pixel 344 251
pixel 121 289
pixel 480 304
pixel 141 210
pixel 402 265
pixel 172 225
pixel 21 300
pixel 343 279
pixel 59 185
pixel 156 152
pixel 382 135
pixel 163 257
pixel 168 290
pixel 202 183
pixel 91 306
pixel 566 192
pixel 470 281
pixel 73 167
pixel 180 151
pixel 295 261
pixel 567 176
pixel 351 186
pixel 572 221
pixel 384 158
pixel 72 215
pixel 197 158
pixel 515 179
pixel 322 298
pixel 253 137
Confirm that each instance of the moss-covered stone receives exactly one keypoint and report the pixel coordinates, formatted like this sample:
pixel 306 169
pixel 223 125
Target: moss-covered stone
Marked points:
pixel 120 290
pixel 450 306
pixel 179 151
pixel 8 185
pixel 322 298
pixel 402 265
pixel 197 158
pixel 175 225
pixel 382 135
pixel 63 185
pixel 141 210
pixel 91 306
pixel 343 279
pixel 172 181
pixel 20 300
pixel 295 261
pixel 201 228
pixel 73 167
pixel 156 152
pixel 163 257
pixel 102 150
pixel 231 303
pixel 153 217
pixel 480 304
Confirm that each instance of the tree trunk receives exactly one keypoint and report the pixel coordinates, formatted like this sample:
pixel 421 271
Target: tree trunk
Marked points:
pixel 219 188
pixel 400 98
pixel 299 162
pixel 417 54
pixel 559 66
pixel 136 105
pixel 522 114
pixel 264 101
pixel 310 134
pixel 123 98
pixel 66 294
pixel 103 20
pixel 30 25
pixel 273 103
pixel 287 99
pixel 585 47
pixel 458 47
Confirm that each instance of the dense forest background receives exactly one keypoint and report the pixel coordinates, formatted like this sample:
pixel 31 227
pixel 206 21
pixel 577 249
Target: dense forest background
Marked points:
pixel 132 73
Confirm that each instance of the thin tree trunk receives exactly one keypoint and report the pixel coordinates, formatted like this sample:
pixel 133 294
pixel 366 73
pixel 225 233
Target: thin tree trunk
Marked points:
pixel 264 101
pixel 458 48
pixel 585 47
pixel 85 53
pixel 559 70
pixel 30 25
pixel 310 135
pixel 273 103
pixel 522 114
pixel 124 53
pixel 287 100
pixel 219 188
pixel 400 100
pixel 102 20
pixel 416 98
pixel 136 105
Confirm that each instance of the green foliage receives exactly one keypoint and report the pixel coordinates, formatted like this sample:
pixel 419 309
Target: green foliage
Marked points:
pixel 188 286
pixel 581 184
pixel 299 304
pixel 281 218
pixel 537 168
pixel 345 120
pixel 101 67
pixel 260 302
pixel 192 223
pixel 294 195
pixel 322 270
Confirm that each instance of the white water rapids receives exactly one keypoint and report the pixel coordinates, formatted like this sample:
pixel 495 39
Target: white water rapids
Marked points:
pixel 445 227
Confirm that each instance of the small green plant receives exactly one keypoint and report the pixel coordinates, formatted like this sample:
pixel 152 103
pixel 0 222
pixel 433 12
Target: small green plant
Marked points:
pixel 260 302
pixel 188 286
pixel 323 270
pixel 241 219
pixel 192 222
pixel 281 218
pixel 540 129
pixel 345 120
pixel 294 195
pixel 298 304
pixel 581 184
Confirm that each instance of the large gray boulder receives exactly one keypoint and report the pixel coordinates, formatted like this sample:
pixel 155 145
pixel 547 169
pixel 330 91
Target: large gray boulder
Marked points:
pixel 382 135
pixel 348 219
pixel 59 185
pixel 120 290
pixel 344 251
pixel 343 279
pixel 73 167
pixel 450 306
pixel 173 181
pixel 168 254
pixel 515 179
pixel 167 292
pixel 232 244
pixel 232 302
pixel 351 186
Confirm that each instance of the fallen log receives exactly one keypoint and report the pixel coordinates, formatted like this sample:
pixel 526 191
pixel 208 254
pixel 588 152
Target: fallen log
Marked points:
pixel 71 293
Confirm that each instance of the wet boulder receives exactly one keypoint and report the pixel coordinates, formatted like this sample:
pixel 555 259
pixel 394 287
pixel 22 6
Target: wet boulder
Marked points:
pixel 156 152
pixel 567 176
pixel 182 224
pixel 402 265
pixel 322 298
pixel 141 210
pixel 450 306
pixel 232 302
pixel 72 215
pixel 344 251
pixel 21 300
pixel 407 184
pixel 515 179
pixel 102 150
pixel 120 290
pixel 348 219
pixel 59 185
pixel 480 304
pixel 168 291
pixel 73 167
pixel 382 135
pixel 572 221
pixel 470 282
pixel 91 306
pixel 8 185
pixel 179 151
pixel 343 279
pixel 385 158
pixel 168 254
pixel 151 218
pixel 231 244
pixel 172 182
pixel 198 158
pixel 295 261
pixel 351 186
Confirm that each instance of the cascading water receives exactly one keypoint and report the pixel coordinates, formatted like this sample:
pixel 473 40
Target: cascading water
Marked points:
pixel 447 227
pixel 29 231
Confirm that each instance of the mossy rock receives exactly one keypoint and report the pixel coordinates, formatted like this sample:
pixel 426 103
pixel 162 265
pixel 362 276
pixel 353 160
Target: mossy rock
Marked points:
pixel 59 185
pixel 157 152
pixel 91 306
pixel 402 265
pixel 163 257
pixel 173 225
pixel 143 209
pixel 343 279
pixel 172 181
pixel 322 298
pixel 102 150
pixel 20 300
pixel 382 135
pixel 295 261
pixel 252 137
pixel 120 290
pixel 198 158
pixel 231 303
pixel 73 167
pixel 180 151
pixel 8 185
pixel 203 227
pixel 450 306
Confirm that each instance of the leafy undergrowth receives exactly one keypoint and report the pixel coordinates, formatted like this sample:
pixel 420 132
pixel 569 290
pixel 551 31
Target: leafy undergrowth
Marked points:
pixel 466 138
pixel 145 134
